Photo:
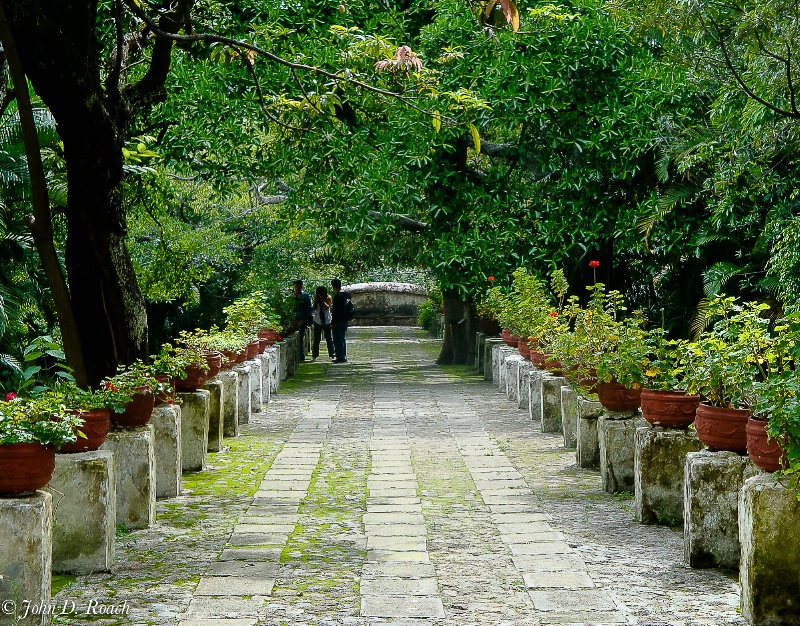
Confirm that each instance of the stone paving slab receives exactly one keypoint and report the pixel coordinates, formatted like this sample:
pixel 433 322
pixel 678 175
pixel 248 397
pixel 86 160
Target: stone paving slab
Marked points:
pixel 523 527
pixel 520 518
pixel 257 539
pixel 219 622
pixel 393 518
pixel 397 543
pixel 246 569
pixel 388 530
pixel 568 600
pixel 251 554
pixel 231 608
pixel 393 555
pixel 384 500
pixel 553 535
pixel 399 586
pixel 399 570
pixel 395 508
pixel 558 580
pixel 234 586
pixel 405 606
pixel 549 563
pixel 549 547
pixel 265 528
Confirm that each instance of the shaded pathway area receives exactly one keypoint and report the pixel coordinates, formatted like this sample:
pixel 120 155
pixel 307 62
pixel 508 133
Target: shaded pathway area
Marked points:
pixel 392 491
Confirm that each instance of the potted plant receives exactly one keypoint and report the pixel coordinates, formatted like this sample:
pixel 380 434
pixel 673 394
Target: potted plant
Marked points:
pixel 137 381
pixel 31 429
pixel 664 403
pixel 192 350
pixel 93 407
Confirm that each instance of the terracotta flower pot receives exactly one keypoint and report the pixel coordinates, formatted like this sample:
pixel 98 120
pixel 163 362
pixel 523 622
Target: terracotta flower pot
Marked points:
pixel 95 426
pixel 252 349
pixel 263 344
pixel 214 362
pixel 764 452
pixel 268 334
pixel 25 467
pixel 228 359
pixel 538 357
pixel 195 378
pixel 138 411
pixel 615 396
pixel 241 356
pixel 669 408
pixel 524 349
pixel 555 367
pixel 509 339
pixel 165 397
pixel 721 428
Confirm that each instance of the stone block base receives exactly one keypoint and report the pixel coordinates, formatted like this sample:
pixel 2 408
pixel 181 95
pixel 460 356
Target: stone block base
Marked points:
pixel 488 358
pixel 283 360
pixel 266 383
pixel 243 393
pixel 535 396
pixel 194 429
pixel 216 425
pixel 25 555
pixel 134 456
pixel 569 416
pixel 274 355
pixel 587 452
pixel 166 423
pixel 84 493
pixel 255 385
pixel 480 346
pixel 551 403
pixel 511 376
pixel 659 473
pixel 523 389
pixel 616 434
pixel 230 402
pixel 712 481
pixel 769 573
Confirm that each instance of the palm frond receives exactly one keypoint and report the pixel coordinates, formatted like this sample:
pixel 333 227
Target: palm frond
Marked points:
pixel 702 316
pixel 718 275
pixel 10 362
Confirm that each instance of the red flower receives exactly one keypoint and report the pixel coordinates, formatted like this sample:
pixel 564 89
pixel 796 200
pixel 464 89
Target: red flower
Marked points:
pixel 554 314
pixel 10 396
pixel 111 386
pixel 491 279
pixel 594 263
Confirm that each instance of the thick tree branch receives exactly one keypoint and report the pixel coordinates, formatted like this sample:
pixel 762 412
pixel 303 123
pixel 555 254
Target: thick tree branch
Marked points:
pixel 401 221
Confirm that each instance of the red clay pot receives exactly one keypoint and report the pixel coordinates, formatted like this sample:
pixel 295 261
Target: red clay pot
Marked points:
pixel 510 340
pixel 669 408
pixel 241 356
pixel 721 428
pixel 270 335
pixel 25 467
pixel 214 362
pixel 556 368
pixel 538 357
pixel 138 411
pixel 228 359
pixel 767 454
pixel 252 350
pixel 95 427
pixel 165 397
pixel 524 349
pixel 263 344
pixel 195 378
pixel 615 396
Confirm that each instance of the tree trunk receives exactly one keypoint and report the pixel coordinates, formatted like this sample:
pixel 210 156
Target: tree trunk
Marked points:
pixel 460 326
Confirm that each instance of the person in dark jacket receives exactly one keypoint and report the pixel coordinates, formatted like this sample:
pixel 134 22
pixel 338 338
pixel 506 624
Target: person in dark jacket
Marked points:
pixel 302 314
pixel 339 323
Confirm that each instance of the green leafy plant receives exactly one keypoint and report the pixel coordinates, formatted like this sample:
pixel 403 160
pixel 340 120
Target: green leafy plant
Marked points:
pixel 44 419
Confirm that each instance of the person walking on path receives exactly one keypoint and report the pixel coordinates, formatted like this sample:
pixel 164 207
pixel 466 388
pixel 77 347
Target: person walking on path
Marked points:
pixel 302 314
pixel 340 318
pixel 322 322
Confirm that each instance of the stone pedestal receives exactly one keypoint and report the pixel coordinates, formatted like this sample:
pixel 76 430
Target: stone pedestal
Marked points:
pixel 230 402
pixel 480 345
pixel 25 555
pixel 194 429
pixel 616 433
pixel 274 355
pixel 659 473
pixel 283 360
pixel 291 354
pixel 166 423
pixel 134 456
pixel 569 416
pixel 265 378
pixel 769 573
pixel 551 403
pixel 84 493
pixel 499 354
pixel 535 395
pixel 511 366
pixel 255 385
pixel 587 453
pixel 523 388
pixel 488 357
pixel 712 481
pixel 216 417
pixel 505 353
pixel 243 393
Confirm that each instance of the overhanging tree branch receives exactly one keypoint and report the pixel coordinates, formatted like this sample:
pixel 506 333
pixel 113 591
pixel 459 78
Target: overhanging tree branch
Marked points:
pixel 401 221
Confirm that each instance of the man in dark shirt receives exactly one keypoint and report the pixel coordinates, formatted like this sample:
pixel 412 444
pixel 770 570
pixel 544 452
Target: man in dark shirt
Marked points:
pixel 339 323
pixel 302 314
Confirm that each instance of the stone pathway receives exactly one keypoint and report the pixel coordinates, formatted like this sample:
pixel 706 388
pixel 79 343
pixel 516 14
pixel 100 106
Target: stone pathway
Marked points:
pixel 390 491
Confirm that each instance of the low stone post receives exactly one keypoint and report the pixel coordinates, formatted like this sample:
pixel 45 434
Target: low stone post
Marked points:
pixel 255 385
pixel 480 344
pixel 769 573
pixel 659 462
pixel 512 364
pixel 84 493
pixel 712 481
pixel 134 455
pixel 505 353
pixel 587 453
pixel 166 423
pixel 523 385
pixel 230 402
pixel 216 417
pixel 489 358
pixel 274 368
pixel 243 393
pixel 551 403
pixel 535 395
pixel 265 378
pixel 616 433
pixel 194 429
pixel 283 360
pixel 26 556
pixel 292 343
pixel 569 416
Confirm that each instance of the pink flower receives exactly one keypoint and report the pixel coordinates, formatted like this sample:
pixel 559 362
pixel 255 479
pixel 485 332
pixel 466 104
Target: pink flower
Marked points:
pixel 10 396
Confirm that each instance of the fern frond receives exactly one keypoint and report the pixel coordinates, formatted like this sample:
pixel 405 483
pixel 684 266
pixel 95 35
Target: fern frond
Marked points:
pixel 718 275
pixel 702 316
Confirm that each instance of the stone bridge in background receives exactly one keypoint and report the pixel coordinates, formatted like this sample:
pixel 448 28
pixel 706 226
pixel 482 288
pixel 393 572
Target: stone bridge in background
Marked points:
pixel 386 304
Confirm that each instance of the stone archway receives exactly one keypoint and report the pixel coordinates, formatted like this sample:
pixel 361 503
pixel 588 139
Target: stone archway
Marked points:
pixel 386 303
